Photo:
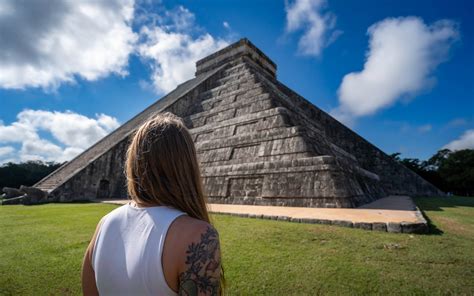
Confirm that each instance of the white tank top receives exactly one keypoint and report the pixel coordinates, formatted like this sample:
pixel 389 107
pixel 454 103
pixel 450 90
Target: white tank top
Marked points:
pixel 127 253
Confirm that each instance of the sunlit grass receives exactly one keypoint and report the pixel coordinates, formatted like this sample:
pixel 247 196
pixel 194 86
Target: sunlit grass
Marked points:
pixel 42 248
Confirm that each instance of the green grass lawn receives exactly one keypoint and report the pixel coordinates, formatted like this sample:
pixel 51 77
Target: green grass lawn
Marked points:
pixel 42 247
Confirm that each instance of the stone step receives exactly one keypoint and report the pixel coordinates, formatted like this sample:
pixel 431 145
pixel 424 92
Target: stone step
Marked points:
pixel 244 71
pixel 242 83
pixel 234 109
pixel 252 136
pixel 50 182
pixel 252 90
pixel 272 144
pixel 236 68
pixel 273 118
pixel 247 154
pixel 315 163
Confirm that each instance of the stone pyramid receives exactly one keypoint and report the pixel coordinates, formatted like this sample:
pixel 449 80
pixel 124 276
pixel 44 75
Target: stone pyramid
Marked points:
pixel 258 142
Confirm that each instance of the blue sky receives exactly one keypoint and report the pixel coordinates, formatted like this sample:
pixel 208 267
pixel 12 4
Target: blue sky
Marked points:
pixel 420 103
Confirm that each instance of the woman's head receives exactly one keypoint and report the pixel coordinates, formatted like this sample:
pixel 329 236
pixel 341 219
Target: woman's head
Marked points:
pixel 162 167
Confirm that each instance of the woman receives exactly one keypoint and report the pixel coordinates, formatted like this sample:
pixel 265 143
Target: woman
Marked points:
pixel 161 242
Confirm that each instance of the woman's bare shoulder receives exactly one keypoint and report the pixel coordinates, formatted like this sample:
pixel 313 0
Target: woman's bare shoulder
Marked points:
pixel 186 232
pixel 192 228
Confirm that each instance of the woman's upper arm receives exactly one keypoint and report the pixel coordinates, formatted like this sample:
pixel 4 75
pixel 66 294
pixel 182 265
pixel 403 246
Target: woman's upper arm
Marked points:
pixel 89 286
pixel 200 271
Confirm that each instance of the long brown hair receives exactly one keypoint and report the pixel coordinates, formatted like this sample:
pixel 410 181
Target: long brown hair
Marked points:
pixel 162 169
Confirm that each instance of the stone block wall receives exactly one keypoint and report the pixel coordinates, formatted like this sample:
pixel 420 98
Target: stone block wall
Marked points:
pixel 101 179
pixel 394 177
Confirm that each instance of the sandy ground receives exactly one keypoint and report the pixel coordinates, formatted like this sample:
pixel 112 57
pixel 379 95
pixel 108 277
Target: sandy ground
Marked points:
pixel 389 209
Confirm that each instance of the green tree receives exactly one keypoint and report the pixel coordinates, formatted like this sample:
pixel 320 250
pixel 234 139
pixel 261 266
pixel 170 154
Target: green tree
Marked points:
pixel 436 160
pixel 414 164
pixel 26 173
pixel 458 171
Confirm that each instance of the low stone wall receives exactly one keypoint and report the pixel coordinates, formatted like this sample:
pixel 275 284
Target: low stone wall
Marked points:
pixel 420 227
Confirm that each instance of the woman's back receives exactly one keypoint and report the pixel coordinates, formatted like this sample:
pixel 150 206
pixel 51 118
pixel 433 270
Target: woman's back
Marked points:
pixel 154 249
pixel 127 257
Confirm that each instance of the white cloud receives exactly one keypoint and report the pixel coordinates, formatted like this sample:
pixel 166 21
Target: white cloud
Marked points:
pixel 318 27
pixel 226 25
pixel 6 151
pixel 403 54
pixel 178 19
pixel 107 122
pixel 17 132
pixel 87 39
pixel 44 45
pixel 73 133
pixel 40 149
pixel 466 141
pixel 69 128
pixel 173 54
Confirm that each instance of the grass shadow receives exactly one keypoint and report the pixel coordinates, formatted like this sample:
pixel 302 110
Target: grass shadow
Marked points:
pixel 435 204
pixel 432 228
pixel 438 203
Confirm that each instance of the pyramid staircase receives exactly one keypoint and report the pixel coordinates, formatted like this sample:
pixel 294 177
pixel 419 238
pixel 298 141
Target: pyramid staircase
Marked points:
pixel 258 143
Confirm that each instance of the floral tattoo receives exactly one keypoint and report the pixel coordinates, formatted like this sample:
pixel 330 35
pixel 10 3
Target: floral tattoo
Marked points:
pixel 203 266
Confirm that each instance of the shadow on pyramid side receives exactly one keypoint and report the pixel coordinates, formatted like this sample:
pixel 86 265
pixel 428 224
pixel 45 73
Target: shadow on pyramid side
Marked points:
pixel 258 142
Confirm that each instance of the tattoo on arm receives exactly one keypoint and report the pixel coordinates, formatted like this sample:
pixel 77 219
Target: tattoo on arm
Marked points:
pixel 202 275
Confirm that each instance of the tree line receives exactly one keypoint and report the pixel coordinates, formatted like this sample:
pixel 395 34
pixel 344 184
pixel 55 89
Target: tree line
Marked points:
pixel 25 173
pixel 450 171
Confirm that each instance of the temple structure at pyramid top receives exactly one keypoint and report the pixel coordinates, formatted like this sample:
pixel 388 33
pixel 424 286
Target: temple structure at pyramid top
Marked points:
pixel 232 52
pixel 258 143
